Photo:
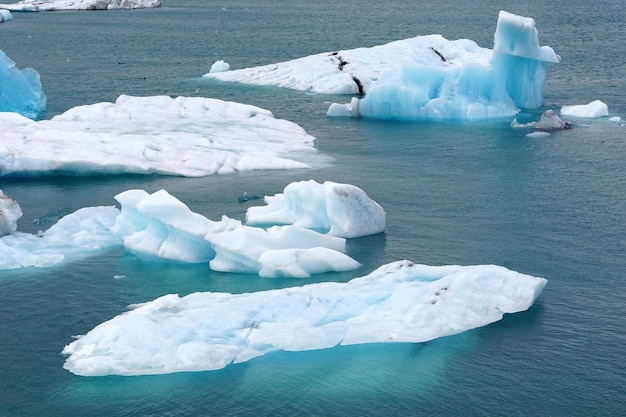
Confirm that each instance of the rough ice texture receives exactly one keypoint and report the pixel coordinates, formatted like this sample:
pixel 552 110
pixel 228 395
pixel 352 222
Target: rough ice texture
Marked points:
pixel 423 78
pixel 187 136
pixel 399 302
pixel 160 226
pixel 550 121
pixel 51 5
pixel 20 91
pixel 337 209
pixel 77 235
pixel 592 110
pixel 10 212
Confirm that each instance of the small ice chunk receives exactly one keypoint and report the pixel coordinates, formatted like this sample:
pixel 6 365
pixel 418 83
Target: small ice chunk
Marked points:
pixel 219 66
pixel 592 110
pixel 337 209
pixel 550 121
pixel 10 212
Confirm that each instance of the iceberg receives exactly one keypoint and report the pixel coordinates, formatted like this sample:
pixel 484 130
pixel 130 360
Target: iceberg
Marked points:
pixel 51 5
pixel 10 212
pixel 342 210
pixel 550 121
pixel 185 136
pixel 423 78
pixel 5 16
pixel 78 235
pixel 592 110
pixel 20 90
pixel 463 89
pixel 158 225
pixel 399 302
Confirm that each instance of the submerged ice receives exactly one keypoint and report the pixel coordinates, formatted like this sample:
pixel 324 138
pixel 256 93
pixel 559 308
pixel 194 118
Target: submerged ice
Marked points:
pixel 20 90
pixel 423 78
pixel 399 302
pixel 187 136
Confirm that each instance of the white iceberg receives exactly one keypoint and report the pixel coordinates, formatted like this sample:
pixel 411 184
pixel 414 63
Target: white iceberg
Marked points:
pixel 160 226
pixel 592 110
pixel 20 90
pixel 81 234
pixel 5 16
pixel 423 78
pixel 10 212
pixel 342 210
pixel 399 302
pixel 187 136
pixel 219 66
pixel 280 251
pixel 51 5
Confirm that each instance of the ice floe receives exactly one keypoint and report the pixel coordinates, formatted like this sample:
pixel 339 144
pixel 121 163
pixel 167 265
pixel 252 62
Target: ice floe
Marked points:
pixel 399 302
pixel 187 136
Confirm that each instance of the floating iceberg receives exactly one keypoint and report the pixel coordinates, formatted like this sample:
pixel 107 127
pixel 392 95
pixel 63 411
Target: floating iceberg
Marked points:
pixel 187 136
pixel 51 5
pixel 592 110
pixel 423 78
pixel 77 235
pixel 5 16
pixel 337 209
pixel 399 302
pixel 160 226
pixel 20 90
pixel 550 121
pixel 10 212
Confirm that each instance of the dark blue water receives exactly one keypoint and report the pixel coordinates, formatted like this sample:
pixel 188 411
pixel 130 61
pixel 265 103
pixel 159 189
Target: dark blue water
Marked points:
pixel 456 193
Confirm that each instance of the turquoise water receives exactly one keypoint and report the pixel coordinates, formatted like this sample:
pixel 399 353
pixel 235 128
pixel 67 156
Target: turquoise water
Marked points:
pixel 455 193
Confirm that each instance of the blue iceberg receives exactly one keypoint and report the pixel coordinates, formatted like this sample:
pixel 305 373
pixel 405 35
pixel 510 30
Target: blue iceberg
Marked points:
pixel 20 90
pixel 463 89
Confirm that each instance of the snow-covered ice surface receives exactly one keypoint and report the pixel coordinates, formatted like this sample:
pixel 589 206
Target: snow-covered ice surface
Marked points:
pixel 51 5
pixel 399 302
pixel 423 78
pixel 160 226
pixel 337 209
pixel 10 212
pixel 591 110
pixel 186 136
pixel 20 90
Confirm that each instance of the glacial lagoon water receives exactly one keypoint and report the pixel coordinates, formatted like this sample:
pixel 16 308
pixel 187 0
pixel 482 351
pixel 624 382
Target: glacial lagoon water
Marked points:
pixel 454 193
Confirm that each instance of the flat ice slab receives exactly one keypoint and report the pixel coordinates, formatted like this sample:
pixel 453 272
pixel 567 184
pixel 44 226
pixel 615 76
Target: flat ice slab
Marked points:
pixel 399 302
pixel 50 5
pixel 186 136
